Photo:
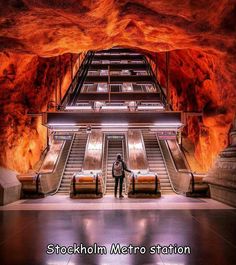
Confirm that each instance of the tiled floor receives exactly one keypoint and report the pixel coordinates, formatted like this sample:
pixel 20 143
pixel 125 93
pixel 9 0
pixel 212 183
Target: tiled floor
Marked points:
pixel 205 226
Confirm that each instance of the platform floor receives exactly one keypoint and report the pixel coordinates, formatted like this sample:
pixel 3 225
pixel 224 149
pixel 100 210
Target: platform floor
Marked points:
pixel 205 226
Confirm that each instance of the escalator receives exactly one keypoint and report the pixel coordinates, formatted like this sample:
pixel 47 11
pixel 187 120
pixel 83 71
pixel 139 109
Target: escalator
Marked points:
pixel 183 179
pixel 156 160
pixel 114 147
pixel 74 162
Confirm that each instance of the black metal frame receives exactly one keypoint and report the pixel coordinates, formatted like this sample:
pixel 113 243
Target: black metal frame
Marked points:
pixel 73 94
pixel 76 84
pixel 157 84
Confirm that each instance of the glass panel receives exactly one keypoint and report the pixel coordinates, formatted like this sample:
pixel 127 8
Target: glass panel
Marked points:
pixel 115 62
pixel 127 87
pixel 89 88
pixel 125 72
pixel 149 88
pixel 96 62
pixel 137 88
pixel 140 73
pixel 114 73
pixel 136 62
pixel 104 72
pixel 93 73
pixel 102 87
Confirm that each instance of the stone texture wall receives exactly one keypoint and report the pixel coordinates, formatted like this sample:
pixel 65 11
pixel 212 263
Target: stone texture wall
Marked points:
pixel 199 34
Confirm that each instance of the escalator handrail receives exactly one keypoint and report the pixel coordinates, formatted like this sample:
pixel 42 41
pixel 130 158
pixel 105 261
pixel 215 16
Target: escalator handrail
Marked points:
pixel 106 165
pixel 156 184
pixel 184 158
pixel 193 182
pixel 173 162
pixel 133 183
pixel 56 164
pixel 103 161
pixel 96 188
pixel 64 168
pixel 73 183
pixel 43 155
pixel 37 183
pixel 124 155
pixel 187 171
pixel 167 170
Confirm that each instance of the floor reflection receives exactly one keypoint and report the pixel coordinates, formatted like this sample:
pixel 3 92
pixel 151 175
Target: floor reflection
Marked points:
pixel 27 234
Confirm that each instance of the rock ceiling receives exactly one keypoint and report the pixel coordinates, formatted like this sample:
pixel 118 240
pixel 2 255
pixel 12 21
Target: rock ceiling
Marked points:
pixel 199 34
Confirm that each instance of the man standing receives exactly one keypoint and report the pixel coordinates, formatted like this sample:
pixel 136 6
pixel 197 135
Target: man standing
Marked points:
pixel 118 172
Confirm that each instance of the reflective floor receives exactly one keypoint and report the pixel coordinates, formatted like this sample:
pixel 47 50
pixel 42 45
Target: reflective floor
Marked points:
pixel 209 234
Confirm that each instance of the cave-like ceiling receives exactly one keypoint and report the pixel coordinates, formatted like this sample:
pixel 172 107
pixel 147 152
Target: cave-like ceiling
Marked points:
pixel 199 34
pixel 50 27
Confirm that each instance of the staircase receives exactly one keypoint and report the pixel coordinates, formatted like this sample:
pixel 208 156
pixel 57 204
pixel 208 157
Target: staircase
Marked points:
pixel 74 162
pixel 156 160
pixel 114 147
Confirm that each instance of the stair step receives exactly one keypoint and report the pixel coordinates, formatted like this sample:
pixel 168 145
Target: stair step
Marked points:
pixel 74 162
pixel 156 161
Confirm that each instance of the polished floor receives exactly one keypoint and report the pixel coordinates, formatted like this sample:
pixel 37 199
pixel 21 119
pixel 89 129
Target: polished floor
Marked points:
pixel 207 227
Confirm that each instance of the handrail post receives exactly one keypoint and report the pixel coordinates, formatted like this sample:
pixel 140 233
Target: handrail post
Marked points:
pixel 37 183
pixel 133 183
pixel 156 184
pixel 96 184
pixel 68 154
pixel 167 79
pixel 193 188
pixel 74 191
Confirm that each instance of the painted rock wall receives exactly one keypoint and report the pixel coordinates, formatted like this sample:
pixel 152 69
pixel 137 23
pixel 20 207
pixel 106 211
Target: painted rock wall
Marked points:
pixel 199 34
pixel 27 84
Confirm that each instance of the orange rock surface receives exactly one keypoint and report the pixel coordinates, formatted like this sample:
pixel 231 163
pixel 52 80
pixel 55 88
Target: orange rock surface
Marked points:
pixel 200 84
pixel 200 36
pixel 28 83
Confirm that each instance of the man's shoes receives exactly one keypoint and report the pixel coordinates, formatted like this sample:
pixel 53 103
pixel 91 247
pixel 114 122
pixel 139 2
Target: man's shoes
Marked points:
pixel 121 196
pixel 115 195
